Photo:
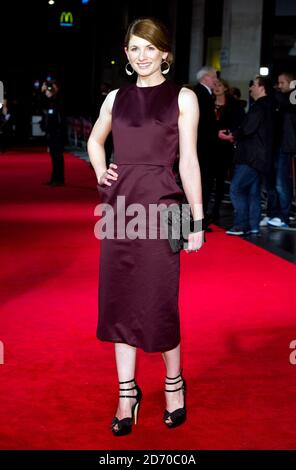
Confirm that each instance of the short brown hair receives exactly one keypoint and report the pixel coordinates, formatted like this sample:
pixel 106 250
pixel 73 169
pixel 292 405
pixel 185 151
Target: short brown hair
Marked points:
pixel 289 75
pixel 265 82
pixel 153 31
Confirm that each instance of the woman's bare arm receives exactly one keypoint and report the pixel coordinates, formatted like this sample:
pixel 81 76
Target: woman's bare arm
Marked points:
pixel 97 138
pixel 189 165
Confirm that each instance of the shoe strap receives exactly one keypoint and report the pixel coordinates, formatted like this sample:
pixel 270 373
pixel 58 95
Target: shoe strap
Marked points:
pixel 127 381
pixel 127 389
pixel 177 389
pixel 128 396
pixel 174 378
pixel 174 383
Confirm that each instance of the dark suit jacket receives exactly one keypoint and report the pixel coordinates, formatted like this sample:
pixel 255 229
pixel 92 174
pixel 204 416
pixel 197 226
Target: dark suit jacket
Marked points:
pixel 255 136
pixel 207 127
pixel 286 128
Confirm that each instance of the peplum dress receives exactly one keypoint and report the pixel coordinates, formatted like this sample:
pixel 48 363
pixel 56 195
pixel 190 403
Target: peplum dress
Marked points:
pixel 139 277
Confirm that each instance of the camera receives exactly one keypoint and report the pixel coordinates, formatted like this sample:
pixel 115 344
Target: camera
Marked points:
pixel 48 85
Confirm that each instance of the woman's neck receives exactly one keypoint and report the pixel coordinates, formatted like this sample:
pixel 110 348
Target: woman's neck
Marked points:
pixel 151 80
pixel 220 99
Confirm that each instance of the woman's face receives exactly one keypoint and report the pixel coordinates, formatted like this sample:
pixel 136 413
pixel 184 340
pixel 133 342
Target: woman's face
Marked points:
pixel 219 88
pixel 143 56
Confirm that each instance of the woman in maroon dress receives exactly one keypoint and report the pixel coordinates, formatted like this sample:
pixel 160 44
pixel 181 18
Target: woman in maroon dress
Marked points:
pixel 153 123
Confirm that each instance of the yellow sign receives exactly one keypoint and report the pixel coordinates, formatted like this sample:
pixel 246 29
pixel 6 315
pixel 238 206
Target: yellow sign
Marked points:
pixel 66 18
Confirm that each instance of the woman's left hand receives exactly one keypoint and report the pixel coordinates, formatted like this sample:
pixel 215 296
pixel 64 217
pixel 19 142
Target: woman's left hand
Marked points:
pixel 195 242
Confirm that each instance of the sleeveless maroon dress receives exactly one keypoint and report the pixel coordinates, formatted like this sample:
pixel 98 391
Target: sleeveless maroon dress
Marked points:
pixel 139 278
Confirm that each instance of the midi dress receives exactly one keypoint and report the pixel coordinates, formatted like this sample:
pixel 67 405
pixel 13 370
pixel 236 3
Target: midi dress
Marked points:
pixel 139 277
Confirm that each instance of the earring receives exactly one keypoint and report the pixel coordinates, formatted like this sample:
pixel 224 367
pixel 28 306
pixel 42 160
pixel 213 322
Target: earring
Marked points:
pixel 165 71
pixel 127 71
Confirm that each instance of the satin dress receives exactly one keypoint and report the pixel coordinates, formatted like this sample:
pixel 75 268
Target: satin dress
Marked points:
pixel 139 278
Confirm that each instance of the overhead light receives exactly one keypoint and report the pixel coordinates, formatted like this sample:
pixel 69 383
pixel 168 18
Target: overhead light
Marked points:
pixel 264 71
pixel 51 2
pixel 292 51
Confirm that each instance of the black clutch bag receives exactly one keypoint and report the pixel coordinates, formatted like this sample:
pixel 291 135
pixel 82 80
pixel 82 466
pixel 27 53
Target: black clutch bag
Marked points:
pixel 179 224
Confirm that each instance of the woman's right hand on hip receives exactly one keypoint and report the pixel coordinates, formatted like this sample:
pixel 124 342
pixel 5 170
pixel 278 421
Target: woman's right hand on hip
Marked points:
pixel 109 174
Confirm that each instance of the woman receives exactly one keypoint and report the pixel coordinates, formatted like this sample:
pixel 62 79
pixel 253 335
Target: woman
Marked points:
pixel 139 278
pixel 229 115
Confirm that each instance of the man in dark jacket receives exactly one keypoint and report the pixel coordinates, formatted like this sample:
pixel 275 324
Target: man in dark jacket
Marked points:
pixel 254 143
pixel 54 126
pixel 207 131
pixel 280 194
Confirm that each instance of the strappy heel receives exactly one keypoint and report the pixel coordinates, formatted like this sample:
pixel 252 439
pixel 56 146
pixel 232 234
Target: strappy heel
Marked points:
pixel 124 426
pixel 177 416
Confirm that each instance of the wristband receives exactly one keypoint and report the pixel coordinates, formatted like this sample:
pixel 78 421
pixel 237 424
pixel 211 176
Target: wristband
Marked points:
pixel 198 225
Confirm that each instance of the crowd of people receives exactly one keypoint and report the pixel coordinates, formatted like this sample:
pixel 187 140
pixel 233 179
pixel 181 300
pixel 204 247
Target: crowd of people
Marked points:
pixel 255 149
pixel 250 146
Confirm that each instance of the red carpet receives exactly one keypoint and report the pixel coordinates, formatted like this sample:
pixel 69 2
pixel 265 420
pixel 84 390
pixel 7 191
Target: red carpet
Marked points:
pixel 58 382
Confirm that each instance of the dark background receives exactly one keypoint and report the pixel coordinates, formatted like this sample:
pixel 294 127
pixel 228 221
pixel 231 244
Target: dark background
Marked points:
pixel 34 45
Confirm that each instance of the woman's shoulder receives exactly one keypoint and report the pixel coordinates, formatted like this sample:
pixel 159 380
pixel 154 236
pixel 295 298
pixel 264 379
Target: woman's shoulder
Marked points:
pixel 120 92
pixel 232 102
pixel 112 95
pixel 187 91
pixel 187 97
pixel 109 100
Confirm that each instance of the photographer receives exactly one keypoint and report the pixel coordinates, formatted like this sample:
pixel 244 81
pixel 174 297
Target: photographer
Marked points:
pixel 6 126
pixel 53 125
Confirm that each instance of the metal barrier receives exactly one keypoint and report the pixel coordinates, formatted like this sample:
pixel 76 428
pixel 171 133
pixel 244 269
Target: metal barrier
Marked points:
pixel 79 129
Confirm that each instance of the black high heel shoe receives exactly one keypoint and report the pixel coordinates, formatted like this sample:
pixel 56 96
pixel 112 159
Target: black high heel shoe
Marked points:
pixel 177 416
pixel 124 426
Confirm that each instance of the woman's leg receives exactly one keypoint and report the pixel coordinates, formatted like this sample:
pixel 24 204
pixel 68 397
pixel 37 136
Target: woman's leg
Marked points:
pixel 125 356
pixel 172 361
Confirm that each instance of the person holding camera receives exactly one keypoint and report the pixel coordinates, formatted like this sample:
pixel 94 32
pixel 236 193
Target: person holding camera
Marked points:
pixel 53 125
pixel 6 126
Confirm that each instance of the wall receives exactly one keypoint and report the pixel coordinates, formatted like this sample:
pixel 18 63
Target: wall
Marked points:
pixel 241 42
